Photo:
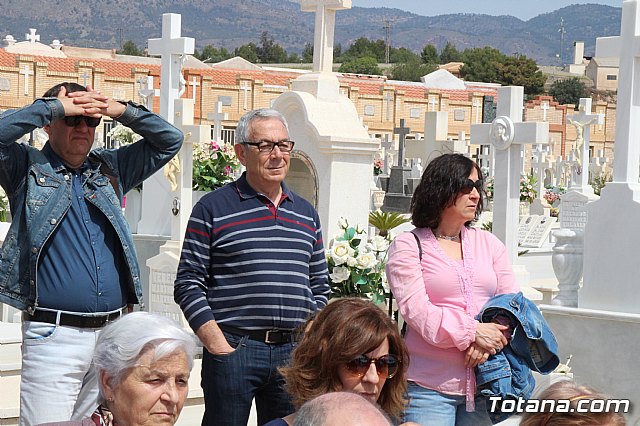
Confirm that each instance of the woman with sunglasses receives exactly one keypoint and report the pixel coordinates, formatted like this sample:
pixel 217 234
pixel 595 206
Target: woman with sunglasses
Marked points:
pixel 353 346
pixel 442 273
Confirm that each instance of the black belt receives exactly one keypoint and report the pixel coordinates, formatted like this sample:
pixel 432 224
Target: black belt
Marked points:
pixel 271 337
pixel 72 320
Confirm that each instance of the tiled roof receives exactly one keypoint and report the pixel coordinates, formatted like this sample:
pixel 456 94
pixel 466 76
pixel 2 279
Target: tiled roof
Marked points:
pixel 228 76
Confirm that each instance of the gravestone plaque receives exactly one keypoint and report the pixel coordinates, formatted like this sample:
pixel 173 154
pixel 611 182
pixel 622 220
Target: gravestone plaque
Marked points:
pixel 458 115
pixel 539 233
pixel 226 100
pixel 488 109
pixel 573 210
pixel 414 113
pixel 5 84
pixel 369 110
pixel 526 225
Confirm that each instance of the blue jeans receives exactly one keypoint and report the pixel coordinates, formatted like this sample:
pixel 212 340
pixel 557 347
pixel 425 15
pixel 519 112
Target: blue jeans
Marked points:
pixel 432 408
pixel 230 382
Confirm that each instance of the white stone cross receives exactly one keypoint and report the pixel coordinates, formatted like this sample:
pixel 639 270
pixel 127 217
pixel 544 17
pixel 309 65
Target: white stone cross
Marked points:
pixel 485 159
pixel 601 160
pixel 433 103
pixel 324 26
pixel 387 99
pixel 157 200
pixel 147 92
pixel 507 135
pixel 26 71
pixel 170 47
pixel 544 106
pixel 85 78
pixel 627 48
pixel 436 139
pixel 193 134
pixel 539 164
pixel 31 36
pixel 217 117
pixel 477 105
pixel 558 171
pixel 582 122
pixel 611 269
pixel 194 83
pixel 387 146
pixel 246 88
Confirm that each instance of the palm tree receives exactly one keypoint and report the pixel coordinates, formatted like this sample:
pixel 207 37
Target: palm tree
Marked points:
pixel 386 221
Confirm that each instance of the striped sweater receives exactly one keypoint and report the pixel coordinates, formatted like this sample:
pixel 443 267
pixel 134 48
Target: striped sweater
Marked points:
pixel 250 265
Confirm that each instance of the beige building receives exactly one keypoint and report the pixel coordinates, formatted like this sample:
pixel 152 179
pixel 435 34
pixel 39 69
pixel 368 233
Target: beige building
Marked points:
pixel 604 73
pixel 29 68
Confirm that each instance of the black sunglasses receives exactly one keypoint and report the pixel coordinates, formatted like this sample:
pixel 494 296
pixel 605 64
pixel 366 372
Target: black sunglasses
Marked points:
pixel 386 365
pixel 468 185
pixel 74 120
pixel 285 146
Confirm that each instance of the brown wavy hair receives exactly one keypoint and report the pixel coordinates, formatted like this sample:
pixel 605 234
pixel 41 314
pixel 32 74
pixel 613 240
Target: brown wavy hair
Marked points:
pixel 344 330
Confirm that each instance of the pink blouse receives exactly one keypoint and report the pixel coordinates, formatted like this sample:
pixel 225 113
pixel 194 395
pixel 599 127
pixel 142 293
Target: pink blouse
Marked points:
pixel 439 298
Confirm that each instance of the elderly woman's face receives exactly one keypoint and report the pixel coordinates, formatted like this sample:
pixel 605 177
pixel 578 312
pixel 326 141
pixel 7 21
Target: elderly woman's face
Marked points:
pixel 151 393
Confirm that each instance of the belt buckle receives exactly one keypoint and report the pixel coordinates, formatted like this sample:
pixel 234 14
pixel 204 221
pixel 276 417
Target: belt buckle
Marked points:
pixel 267 337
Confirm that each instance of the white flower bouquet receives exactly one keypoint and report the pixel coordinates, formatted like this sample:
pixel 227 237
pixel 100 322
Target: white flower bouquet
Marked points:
pixel 356 265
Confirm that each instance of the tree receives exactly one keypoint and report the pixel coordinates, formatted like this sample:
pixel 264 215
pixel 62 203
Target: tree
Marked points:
pixel 307 53
pixel 337 52
pixel 403 55
pixel 521 71
pixel 480 64
pixel 364 65
pixel 130 48
pixel 364 47
pixel 247 51
pixel 450 54
pixel 269 51
pixel 568 91
pixel 429 54
pixel 212 54
pixel 411 70
pixel 489 65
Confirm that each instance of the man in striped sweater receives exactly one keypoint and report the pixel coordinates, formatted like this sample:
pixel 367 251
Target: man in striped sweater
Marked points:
pixel 252 269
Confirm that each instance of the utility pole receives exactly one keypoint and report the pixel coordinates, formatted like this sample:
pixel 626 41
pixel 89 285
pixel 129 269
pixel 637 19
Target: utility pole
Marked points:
pixel 562 32
pixel 120 37
pixel 388 24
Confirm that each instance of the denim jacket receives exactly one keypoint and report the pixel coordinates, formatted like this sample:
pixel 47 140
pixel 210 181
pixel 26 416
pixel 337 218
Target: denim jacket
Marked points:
pixel 533 346
pixel 40 194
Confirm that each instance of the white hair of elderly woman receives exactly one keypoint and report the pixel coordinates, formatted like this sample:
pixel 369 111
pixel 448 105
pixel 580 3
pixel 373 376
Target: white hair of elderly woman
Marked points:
pixel 122 342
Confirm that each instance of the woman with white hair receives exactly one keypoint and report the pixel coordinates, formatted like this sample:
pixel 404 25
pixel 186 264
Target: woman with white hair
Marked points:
pixel 143 362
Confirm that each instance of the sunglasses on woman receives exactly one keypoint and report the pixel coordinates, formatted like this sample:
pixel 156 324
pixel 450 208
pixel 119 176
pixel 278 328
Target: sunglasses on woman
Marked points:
pixel 74 120
pixel 386 365
pixel 468 185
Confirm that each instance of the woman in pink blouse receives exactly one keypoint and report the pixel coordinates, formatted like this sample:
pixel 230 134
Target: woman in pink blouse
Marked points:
pixel 439 296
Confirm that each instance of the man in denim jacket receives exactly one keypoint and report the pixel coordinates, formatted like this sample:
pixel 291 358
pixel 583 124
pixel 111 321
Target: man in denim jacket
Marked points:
pixel 68 260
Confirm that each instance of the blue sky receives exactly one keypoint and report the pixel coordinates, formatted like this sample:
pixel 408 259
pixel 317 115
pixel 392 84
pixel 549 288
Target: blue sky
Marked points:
pixel 523 9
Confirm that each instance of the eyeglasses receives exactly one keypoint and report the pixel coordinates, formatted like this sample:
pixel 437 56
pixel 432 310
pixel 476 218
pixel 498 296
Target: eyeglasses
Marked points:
pixel 74 120
pixel 265 147
pixel 386 365
pixel 468 185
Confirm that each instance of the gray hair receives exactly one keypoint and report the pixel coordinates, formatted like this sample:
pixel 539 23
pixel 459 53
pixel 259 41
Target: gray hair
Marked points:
pixel 121 343
pixel 243 130
pixel 350 408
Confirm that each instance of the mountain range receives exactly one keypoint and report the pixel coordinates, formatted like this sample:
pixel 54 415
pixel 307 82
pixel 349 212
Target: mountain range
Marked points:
pixel 231 23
